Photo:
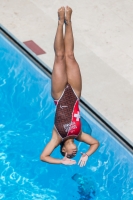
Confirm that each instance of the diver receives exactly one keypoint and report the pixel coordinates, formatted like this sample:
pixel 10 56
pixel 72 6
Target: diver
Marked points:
pixel 66 92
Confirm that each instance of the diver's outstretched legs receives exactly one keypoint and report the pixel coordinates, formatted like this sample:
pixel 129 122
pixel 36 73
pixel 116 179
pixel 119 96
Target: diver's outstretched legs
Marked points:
pixel 66 69
pixel 59 75
pixel 72 67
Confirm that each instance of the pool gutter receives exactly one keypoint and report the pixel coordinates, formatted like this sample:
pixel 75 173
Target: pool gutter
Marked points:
pixel 88 107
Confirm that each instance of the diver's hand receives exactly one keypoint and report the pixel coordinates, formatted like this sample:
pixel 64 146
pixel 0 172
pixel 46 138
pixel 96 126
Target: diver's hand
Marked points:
pixel 67 161
pixel 83 160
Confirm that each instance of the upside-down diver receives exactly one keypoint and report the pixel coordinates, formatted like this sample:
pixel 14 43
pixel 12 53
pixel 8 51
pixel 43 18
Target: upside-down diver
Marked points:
pixel 66 92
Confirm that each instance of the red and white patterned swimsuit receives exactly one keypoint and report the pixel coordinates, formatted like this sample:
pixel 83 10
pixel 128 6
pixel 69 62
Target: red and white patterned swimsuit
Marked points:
pixel 67 116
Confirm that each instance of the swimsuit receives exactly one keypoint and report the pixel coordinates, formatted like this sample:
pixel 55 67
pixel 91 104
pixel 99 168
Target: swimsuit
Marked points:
pixel 67 117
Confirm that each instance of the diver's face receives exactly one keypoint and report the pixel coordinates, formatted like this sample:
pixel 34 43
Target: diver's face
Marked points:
pixel 70 149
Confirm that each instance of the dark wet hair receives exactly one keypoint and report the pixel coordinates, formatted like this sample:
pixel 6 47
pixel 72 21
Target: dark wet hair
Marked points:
pixel 63 153
pixel 61 146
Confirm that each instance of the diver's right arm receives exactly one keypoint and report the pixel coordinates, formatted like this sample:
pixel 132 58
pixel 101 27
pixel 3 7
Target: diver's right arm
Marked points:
pixel 54 142
pixel 45 156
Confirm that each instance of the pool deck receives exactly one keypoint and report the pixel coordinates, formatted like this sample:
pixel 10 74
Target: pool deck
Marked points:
pixel 103 32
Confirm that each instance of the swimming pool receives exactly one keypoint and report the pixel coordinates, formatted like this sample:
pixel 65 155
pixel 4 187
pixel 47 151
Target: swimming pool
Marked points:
pixel 26 120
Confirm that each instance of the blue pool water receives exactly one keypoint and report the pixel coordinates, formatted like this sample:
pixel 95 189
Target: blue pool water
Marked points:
pixel 26 120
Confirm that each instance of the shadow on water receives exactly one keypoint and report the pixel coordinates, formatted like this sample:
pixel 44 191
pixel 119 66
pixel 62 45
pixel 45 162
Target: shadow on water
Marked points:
pixel 86 187
pixel 85 126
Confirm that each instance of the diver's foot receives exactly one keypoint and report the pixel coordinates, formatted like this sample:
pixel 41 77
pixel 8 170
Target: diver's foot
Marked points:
pixel 68 15
pixel 61 15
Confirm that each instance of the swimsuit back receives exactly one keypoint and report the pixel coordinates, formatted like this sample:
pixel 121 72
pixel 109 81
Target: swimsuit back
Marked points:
pixel 67 117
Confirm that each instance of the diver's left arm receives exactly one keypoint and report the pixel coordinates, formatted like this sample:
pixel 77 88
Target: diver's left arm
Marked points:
pixel 94 144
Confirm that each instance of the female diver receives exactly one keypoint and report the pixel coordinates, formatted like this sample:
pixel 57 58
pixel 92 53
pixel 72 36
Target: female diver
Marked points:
pixel 66 92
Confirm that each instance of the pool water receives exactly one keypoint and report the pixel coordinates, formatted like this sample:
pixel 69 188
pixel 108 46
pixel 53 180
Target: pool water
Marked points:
pixel 26 121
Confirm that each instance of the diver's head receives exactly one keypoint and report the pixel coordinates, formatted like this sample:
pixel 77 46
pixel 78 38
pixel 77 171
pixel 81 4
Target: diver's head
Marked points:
pixel 68 147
